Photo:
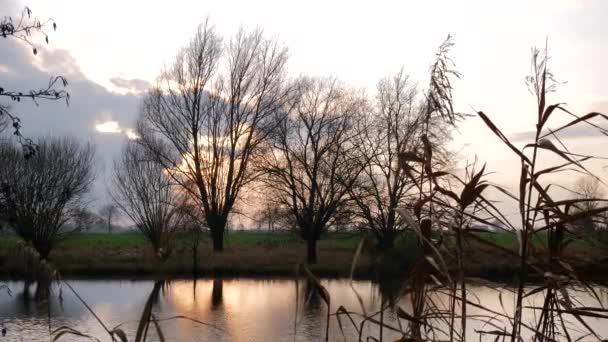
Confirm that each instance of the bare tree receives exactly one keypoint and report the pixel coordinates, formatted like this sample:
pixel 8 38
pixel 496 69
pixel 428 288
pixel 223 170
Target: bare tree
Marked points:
pixel 309 163
pixel 22 28
pixel 144 192
pixel 589 193
pixel 39 195
pixel 208 114
pixel 395 123
pixel 268 215
pixel 84 219
pixel 588 189
pixel 107 212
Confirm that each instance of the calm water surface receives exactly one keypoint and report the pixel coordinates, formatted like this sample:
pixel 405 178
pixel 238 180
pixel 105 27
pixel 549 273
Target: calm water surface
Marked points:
pixel 238 309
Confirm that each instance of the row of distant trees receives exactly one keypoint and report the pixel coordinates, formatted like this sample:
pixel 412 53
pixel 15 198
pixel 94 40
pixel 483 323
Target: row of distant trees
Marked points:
pixel 84 219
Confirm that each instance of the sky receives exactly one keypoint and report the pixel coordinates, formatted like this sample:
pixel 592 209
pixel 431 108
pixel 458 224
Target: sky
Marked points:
pixel 111 51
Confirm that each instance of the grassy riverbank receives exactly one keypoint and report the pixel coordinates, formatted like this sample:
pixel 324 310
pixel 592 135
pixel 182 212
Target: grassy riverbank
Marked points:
pixel 128 255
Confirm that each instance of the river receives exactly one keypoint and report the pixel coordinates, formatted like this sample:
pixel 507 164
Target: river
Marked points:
pixel 237 309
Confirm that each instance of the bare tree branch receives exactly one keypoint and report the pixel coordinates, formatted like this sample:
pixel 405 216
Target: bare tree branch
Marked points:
pixel 310 165
pixel 39 195
pixel 204 124
pixel 23 29
pixel 143 191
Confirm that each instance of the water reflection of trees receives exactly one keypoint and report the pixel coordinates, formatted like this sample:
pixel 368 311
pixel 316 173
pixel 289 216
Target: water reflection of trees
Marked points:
pixel 390 290
pixel 312 298
pixel 217 293
pixel 147 314
pixel 28 302
pixel 310 321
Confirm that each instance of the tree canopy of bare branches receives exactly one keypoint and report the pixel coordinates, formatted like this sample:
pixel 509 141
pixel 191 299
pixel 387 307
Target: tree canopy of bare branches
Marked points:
pixel 309 164
pixel 84 219
pixel 107 212
pixel 272 216
pixel 208 114
pixel 144 192
pixel 382 133
pixel 395 122
pixel 589 190
pixel 22 28
pixel 39 195
pixel 590 195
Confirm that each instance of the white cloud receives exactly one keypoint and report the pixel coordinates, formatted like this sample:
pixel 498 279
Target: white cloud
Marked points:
pixel 131 134
pixel 108 127
pixel 113 127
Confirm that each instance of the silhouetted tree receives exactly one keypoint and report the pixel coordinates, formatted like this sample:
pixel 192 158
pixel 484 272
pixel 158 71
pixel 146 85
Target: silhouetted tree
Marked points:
pixel 84 219
pixel 309 163
pixel 394 123
pixel 39 195
pixel 144 192
pixel 107 212
pixel 588 190
pixel 268 215
pixel 22 29
pixel 208 114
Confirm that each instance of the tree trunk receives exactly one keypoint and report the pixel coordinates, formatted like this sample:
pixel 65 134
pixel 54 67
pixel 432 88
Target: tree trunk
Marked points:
pixel 217 234
pixel 43 248
pixel 387 241
pixel 312 251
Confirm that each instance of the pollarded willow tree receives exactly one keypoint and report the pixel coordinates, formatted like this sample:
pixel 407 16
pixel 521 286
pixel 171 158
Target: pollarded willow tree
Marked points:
pixel 389 127
pixel 208 114
pixel 40 194
pixel 394 123
pixel 309 164
pixel 143 190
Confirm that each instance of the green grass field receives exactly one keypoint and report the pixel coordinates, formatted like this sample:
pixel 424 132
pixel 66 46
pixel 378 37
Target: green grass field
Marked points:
pixel 247 253
pixel 343 242
pixel 129 254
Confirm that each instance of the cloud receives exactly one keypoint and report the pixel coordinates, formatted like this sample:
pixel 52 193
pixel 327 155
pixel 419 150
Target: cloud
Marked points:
pixel 113 127
pixel 135 84
pixel 108 127
pixel 131 134
pixel 578 131
pixel 90 104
